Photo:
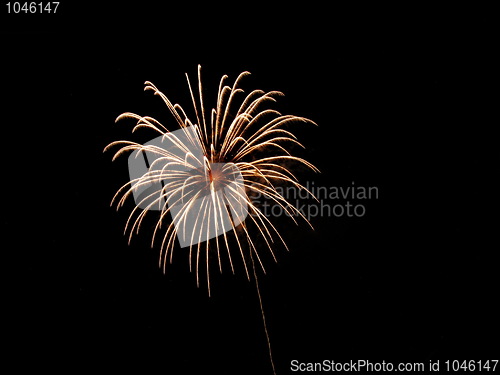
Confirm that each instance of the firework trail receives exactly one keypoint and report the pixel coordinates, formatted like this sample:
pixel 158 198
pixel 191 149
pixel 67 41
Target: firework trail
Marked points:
pixel 205 173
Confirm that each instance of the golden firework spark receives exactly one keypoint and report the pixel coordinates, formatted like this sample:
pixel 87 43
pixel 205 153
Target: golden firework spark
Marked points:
pixel 231 139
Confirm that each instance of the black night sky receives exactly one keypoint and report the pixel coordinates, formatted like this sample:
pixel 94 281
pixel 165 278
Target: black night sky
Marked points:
pixel 409 280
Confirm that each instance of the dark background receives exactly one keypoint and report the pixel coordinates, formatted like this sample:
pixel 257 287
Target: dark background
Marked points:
pixel 411 280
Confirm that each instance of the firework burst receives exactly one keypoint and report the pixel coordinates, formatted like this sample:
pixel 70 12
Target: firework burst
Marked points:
pixel 209 171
